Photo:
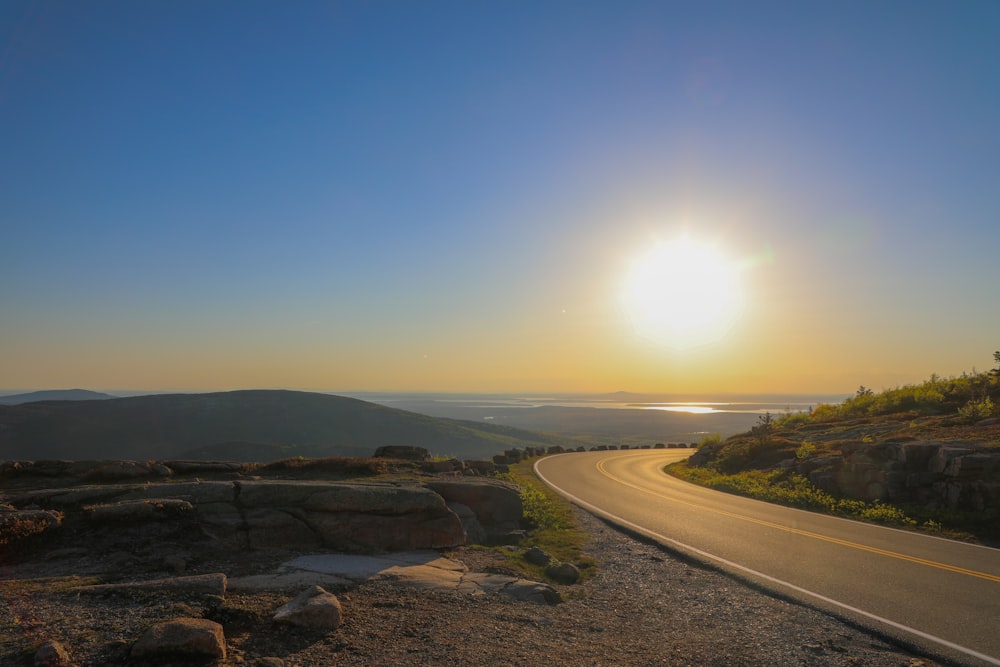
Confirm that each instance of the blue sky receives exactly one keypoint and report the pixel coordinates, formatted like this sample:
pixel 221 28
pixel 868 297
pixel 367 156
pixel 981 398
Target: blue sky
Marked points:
pixel 446 196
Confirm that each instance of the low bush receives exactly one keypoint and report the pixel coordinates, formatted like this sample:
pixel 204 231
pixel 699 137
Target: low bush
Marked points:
pixel 792 419
pixel 805 450
pixel 790 489
pixel 976 410
pixel 710 439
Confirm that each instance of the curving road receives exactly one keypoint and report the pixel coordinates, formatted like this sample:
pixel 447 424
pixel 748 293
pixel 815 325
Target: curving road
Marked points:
pixel 941 595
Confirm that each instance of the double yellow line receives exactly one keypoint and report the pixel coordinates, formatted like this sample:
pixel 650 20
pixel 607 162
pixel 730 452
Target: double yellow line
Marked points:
pixel 797 531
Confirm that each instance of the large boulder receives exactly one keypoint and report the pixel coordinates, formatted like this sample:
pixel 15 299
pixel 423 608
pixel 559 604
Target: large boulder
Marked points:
pixel 350 517
pixel 497 504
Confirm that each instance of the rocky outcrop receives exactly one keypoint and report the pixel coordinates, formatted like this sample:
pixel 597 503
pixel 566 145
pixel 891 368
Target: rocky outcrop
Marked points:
pixel 950 475
pixel 351 517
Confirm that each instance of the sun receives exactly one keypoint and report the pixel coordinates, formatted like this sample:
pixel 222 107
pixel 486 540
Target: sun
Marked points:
pixel 683 293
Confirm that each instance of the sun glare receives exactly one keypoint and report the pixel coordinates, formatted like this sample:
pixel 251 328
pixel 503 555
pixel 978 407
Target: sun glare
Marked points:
pixel 683 294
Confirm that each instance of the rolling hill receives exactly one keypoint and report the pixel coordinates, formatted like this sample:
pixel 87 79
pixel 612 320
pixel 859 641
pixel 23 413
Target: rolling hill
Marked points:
pixel 54 395
pixel 240 425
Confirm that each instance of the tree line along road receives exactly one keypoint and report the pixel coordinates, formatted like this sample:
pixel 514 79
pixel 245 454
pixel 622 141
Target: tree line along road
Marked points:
pixel 939 595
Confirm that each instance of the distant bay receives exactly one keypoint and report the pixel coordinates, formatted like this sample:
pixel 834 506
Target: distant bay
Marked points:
pixel 633 419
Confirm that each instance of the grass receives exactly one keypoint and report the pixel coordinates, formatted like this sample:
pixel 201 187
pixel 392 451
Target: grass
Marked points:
pixel 551 525
pixel 793 490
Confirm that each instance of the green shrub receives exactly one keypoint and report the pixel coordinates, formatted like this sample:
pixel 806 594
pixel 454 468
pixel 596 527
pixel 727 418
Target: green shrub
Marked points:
pixel 975 410
pixel 710 439
pixel 805 450
pixel 793 419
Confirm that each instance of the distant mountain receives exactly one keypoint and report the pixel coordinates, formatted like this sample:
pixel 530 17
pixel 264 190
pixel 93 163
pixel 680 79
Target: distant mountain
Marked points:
pixel 240 425
pixel 54 395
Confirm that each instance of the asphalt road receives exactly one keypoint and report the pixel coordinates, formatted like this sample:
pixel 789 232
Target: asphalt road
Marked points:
pixel 940 595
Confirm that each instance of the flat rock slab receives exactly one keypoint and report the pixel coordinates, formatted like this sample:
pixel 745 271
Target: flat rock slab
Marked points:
pixel 417 569
pixel 343 570
pixel 362 568
pixel 209 584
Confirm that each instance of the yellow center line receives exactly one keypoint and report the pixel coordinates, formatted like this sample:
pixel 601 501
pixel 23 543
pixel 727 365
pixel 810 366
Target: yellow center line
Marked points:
pixel 798 531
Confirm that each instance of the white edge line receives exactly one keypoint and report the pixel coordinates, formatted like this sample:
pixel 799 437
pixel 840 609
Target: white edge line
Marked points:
pixel 730 564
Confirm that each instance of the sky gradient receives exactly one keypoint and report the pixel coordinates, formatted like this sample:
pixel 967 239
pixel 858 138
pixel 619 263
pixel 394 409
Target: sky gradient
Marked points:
pixel 447 196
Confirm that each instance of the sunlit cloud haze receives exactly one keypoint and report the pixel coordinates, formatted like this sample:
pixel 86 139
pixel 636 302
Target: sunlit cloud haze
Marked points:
pixel 451 196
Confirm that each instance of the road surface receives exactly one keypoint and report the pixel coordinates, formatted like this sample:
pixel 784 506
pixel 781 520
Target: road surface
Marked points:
pixel 940 595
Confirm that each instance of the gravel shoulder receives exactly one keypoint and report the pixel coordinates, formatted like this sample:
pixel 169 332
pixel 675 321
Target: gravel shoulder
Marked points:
pixel 644 607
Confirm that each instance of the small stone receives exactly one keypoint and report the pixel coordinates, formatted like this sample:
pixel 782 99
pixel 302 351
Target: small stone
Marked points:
pixel 314 608
pixel 191 637
pixel 564 573
pixel 536 556
pixel 268 662
pixel 51 654
pixel 531 591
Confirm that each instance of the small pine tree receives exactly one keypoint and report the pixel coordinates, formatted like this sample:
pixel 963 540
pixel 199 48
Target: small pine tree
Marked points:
pixel 765 424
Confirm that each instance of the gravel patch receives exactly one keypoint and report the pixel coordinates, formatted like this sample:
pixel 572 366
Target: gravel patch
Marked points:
pixel 644 607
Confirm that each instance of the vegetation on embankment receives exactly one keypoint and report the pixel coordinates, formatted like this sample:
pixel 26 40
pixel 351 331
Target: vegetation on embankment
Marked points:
pixel 552 526
pixel 923 456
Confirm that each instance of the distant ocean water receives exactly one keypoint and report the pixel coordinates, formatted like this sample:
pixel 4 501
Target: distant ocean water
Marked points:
pixel 743 404
pixel 613 418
